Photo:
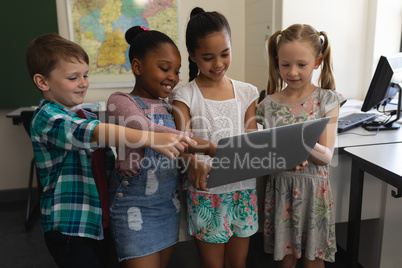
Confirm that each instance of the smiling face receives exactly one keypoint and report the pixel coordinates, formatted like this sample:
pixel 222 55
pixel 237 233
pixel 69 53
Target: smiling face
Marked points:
pixel 66 85
pixel 213 56
pixel 158 73
pixel 296 64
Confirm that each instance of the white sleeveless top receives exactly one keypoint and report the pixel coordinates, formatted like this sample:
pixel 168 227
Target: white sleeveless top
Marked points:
pixel 212 120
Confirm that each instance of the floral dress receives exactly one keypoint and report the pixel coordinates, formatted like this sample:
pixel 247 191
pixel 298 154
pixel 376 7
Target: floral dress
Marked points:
pixel 298 205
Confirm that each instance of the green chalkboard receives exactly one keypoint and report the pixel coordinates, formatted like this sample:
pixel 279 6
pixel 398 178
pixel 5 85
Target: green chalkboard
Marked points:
pixel 21 21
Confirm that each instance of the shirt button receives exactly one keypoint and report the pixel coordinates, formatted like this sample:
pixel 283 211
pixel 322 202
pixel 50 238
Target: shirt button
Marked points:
pixel 126 183
pixel 120 195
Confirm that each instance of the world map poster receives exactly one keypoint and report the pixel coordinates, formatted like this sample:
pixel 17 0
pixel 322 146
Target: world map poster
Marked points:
pixel 99 27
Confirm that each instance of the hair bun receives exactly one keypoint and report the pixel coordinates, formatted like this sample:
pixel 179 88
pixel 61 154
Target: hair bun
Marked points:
pixel 196 11
pixel 132 33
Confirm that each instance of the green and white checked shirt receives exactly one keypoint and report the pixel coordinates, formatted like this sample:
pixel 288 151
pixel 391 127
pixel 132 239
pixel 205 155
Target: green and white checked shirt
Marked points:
pixel 61 140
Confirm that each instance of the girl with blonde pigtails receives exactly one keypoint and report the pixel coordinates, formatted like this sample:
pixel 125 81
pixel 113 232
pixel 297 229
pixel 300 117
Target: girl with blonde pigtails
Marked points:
pixel 299 219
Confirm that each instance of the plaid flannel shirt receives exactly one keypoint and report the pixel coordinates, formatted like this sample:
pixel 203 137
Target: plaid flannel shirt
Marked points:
pixel 61 140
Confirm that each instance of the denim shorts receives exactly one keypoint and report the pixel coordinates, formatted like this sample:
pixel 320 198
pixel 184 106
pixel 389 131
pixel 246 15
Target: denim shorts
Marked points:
pixel 144 219
pixel 215 218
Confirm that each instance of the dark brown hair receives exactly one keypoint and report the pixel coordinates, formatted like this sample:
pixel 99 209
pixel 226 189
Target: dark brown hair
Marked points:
pixel 200 25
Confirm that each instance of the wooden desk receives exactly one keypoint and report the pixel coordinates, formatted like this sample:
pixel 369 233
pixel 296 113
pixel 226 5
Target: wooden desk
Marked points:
pixel 381 161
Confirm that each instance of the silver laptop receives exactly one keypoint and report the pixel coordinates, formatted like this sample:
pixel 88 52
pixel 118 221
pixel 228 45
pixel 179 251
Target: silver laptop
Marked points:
pixel 264 152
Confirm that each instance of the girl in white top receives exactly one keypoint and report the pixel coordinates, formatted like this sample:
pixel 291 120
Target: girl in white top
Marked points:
pixel 213 106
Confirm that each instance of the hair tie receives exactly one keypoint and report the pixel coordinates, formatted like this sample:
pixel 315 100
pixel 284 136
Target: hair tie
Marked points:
pixel 144 28
pixel 319 33
pixel 278 37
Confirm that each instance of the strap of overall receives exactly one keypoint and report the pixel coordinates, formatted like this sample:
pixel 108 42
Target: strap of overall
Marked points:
pixel 143 106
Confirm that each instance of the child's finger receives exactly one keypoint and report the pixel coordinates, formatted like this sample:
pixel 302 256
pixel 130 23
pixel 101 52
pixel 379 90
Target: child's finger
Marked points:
pixel 188 140
pixel 175 152
pixel 171 153
pixel 196 183
pixel 179 147
pixel 184 144
pixel 203 185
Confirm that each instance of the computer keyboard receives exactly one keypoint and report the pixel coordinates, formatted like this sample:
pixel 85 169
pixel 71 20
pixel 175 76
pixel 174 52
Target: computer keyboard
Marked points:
pixel 354 120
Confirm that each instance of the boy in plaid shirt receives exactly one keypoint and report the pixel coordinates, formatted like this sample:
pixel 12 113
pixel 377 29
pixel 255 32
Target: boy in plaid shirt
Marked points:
pixel 70 154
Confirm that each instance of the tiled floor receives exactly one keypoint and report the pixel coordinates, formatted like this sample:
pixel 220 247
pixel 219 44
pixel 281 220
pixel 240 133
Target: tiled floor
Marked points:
pixel 22 249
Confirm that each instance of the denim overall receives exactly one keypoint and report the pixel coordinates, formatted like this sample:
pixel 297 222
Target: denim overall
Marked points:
pixel 145 208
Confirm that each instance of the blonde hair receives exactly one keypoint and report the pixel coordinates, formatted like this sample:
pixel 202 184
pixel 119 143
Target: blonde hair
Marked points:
pixel 318 41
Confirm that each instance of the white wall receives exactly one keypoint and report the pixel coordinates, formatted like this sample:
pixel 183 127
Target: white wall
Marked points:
pixel 259 26
pixel 359 31
pixel 344 21
pixel 387 30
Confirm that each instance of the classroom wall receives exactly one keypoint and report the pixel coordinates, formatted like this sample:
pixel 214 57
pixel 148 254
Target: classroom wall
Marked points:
pixel 344 21
pixel 260 24
pixel 16 35
pixel 360 32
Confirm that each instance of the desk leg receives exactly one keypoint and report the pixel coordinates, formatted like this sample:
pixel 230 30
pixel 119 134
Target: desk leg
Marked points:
pixel 355 211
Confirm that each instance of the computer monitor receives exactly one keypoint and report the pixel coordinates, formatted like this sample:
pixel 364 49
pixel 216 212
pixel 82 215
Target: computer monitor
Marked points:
pixel 384 86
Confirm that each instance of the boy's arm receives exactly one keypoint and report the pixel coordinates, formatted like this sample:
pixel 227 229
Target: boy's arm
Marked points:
pixel 168 144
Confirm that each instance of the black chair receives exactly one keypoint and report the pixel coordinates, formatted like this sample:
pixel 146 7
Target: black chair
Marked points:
pixel 32 202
